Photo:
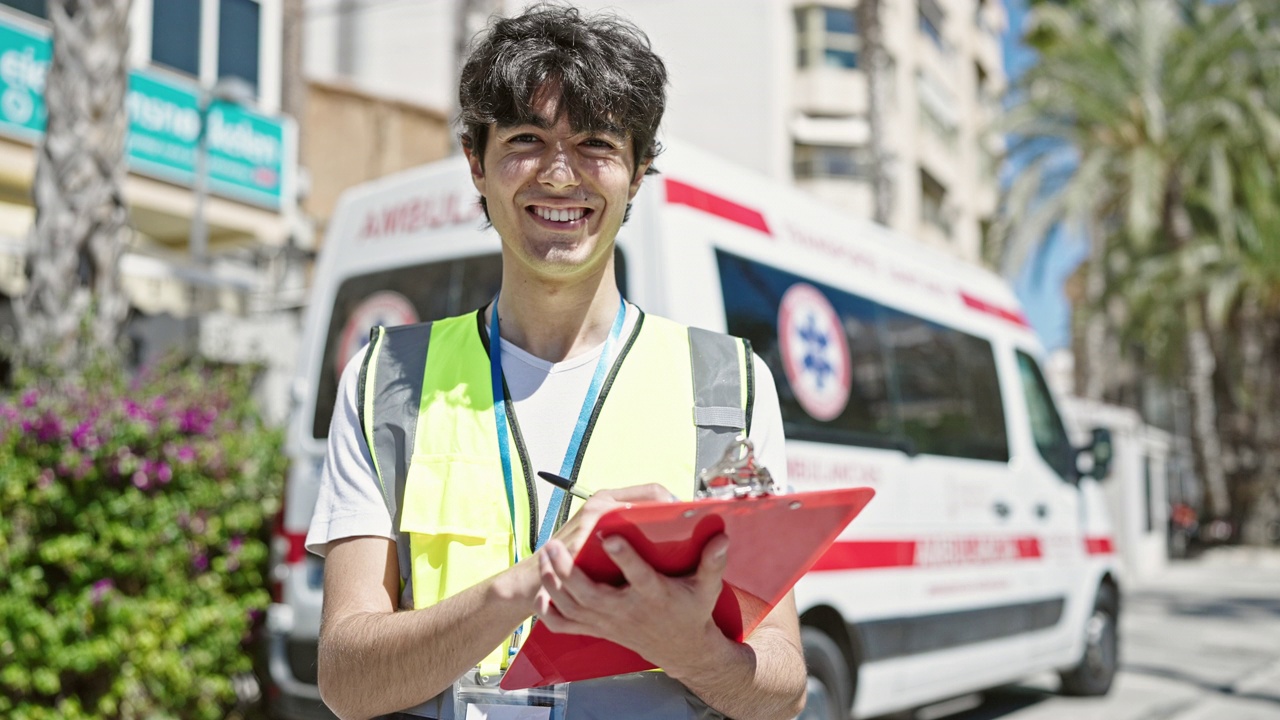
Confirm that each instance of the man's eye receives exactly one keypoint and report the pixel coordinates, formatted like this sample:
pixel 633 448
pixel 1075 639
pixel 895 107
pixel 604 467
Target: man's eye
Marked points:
pixel 600 143
pixel 524 138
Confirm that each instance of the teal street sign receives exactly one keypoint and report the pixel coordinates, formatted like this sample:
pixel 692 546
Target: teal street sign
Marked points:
pixel 24 61
pixel 251 155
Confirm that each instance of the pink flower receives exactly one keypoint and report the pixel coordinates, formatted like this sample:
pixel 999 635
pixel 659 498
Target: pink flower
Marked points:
pixel 83 436
pixel 100 590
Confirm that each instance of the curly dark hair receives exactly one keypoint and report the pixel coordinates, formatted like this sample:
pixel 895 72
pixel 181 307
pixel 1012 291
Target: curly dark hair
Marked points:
pixel 603 66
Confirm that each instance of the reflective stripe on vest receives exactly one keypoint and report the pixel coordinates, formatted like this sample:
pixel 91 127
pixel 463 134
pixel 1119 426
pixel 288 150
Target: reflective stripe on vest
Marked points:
pixel 674 400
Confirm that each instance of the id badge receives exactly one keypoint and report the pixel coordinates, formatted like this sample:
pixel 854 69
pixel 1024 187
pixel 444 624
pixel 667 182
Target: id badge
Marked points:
pixel 478 697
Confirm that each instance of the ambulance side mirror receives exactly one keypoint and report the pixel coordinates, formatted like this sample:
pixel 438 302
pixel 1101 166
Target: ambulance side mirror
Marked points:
pixel 1101 451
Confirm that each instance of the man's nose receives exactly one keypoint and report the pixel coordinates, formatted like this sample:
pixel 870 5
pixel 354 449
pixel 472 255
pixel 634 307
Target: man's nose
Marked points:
pixel 557 169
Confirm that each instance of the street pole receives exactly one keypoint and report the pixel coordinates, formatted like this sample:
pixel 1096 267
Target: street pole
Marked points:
pixel 229 90
pixel 199 229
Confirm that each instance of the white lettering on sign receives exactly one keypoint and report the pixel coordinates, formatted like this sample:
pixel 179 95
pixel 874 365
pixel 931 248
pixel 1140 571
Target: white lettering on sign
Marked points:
pixel 419 213
pixel 24 76
pixel 973 550
pixel 163 117
pixel 241 140
pixel 19 68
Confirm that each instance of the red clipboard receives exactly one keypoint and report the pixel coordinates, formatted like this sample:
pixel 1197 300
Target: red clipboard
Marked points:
pixel 773 541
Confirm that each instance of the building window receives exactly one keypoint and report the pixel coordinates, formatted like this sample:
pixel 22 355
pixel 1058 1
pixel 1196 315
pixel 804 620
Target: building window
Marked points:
pixel 828 161
pixel 178 37
pixel 239 26
pixel 931 21
pixel 826 37
pixel 937 108
pixel 39 8
pixel 933 199
pixel 175 35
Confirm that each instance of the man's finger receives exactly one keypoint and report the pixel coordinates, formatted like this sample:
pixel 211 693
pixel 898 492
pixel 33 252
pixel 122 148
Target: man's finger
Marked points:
pixel 551 576
pixel 649 492
pixel 567 586
pixel 638 573
pixel 715 556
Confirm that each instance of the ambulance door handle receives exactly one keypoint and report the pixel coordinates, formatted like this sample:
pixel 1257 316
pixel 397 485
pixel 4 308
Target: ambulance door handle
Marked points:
pixel 1042 511
pixel 1002 509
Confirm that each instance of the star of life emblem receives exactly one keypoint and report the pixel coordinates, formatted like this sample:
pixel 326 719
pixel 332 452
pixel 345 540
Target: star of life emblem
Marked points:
pixel 815 352
pixel 381 308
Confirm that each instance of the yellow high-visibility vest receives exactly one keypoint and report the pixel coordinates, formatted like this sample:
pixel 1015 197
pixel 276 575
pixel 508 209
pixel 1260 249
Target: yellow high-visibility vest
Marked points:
pixel 673 401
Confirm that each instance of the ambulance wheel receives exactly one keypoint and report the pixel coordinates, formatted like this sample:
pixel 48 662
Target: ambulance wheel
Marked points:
pixel 1093 676
pixel 829 693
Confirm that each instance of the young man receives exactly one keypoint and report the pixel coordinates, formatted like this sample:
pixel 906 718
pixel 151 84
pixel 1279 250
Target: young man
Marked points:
pixel 560 114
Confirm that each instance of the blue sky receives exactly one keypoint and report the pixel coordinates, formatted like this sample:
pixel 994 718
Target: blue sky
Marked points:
pixel 1040 284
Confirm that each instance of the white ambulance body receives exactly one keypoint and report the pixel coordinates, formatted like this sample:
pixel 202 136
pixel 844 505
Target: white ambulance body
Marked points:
pixel 983 558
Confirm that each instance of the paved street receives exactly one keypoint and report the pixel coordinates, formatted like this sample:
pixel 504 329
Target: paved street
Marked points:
pixel 1200 642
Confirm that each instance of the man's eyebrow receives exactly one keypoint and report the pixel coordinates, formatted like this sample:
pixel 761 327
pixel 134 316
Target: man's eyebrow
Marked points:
pixel 542 123
pixel 536 120
pixel 611 128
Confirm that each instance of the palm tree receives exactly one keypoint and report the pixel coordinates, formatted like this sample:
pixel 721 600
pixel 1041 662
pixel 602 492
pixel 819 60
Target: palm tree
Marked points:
pixel 1147 97
pixel 75 303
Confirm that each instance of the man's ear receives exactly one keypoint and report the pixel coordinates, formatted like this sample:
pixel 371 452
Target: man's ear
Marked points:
pixel 477 167
pixel 638 179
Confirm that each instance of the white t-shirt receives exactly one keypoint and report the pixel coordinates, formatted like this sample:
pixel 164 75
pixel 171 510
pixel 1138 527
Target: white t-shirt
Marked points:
pixel 547 398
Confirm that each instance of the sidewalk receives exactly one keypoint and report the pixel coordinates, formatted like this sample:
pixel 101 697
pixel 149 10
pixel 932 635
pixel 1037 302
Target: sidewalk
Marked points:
pixel 1204 636
pixel 1199 641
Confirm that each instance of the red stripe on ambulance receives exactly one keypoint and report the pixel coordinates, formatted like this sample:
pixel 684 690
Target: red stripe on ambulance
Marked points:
pixel 1102 545
pixel 1014 316
pixel 679 193
pixel 866 554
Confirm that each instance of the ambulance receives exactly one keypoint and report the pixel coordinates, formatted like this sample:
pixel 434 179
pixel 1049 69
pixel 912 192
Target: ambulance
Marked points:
pixel 985 556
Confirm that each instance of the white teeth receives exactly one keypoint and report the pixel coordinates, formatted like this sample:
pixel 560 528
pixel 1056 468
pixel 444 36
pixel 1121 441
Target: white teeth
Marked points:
pixel 559 215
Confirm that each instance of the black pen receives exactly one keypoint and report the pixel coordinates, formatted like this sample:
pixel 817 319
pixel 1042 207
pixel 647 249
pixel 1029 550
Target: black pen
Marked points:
pixel 564 484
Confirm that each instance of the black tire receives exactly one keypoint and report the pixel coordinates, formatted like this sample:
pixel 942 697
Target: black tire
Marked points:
pixel 830 690
pixel 1101 659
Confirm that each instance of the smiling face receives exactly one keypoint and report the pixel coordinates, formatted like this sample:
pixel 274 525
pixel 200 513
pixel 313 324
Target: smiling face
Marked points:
pixel 556 195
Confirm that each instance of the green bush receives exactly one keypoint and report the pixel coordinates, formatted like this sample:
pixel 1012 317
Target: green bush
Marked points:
pixel 133 543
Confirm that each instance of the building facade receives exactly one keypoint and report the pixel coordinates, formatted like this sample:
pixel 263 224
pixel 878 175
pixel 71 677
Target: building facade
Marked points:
pixel 774 85
pixel 204 124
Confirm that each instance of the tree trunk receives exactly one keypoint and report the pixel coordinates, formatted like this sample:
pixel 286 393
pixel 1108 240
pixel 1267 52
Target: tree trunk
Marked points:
pixel 876 63
pixel 1201 364
pixel 75 305
pixel 1259 337
pixel 1093 374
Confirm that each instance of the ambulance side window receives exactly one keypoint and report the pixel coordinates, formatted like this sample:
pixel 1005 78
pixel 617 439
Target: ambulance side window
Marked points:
pixel 1046 425
pixel 909 383
pixel 948 391
pixel 752 296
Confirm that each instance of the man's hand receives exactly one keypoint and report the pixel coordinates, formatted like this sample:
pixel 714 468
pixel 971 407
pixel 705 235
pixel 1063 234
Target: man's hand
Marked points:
pixel 573 534
pixel 665 620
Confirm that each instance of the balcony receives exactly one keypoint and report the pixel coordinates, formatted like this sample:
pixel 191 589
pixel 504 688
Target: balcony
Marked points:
pixel 830 92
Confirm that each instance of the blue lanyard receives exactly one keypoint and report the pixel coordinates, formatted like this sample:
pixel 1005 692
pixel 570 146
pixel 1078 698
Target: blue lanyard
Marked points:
pixel 579 430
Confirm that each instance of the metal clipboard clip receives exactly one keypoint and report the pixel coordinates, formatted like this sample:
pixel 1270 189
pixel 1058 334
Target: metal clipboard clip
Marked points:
pixel 736 474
